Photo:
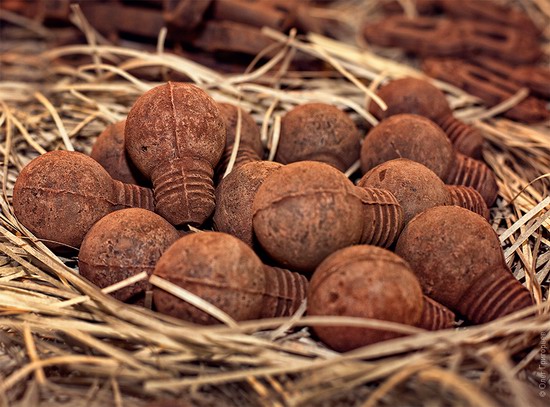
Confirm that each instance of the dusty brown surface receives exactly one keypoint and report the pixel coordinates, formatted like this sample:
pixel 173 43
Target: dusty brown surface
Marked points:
pixel 415 186
pixel 122 244
pixel 435 316
pixel 175 135
pixel 224 271
pixel 318 132
pixel 235 198
pixel 473 173
pixel 250 145
pixel 109 151
pixel 457 257
pixel 368 282
pixel 305 211
pixel 469 198
pixel 61 194
pixel 408 136
pixel 417 96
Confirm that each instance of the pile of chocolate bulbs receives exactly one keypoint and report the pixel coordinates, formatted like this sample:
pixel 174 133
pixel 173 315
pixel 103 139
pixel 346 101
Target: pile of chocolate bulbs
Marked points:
pixel 410 243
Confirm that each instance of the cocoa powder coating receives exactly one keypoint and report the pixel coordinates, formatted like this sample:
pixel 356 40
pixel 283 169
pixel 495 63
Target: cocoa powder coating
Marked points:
pixel 110 152
pixel 408 136
pixel 122 244
pixel 416 187
pixel 224 271
pixel 448 246
pixel 411 95
pixel 474 173
pixel 366 282
pixel 175 135
pixel 318 132
pixel 235 197
pixel 305 211
pixel 61 194
pixel 250 144
pixel 417 96
pixel 217 267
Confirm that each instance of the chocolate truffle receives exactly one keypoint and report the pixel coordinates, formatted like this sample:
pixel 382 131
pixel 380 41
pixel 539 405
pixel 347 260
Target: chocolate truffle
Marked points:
pixel 307 210
pixel 408 136
pixel 416 187
pixel 417 96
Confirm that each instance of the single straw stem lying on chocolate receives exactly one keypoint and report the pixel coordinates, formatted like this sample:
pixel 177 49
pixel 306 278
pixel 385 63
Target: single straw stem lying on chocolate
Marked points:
pixel 250 146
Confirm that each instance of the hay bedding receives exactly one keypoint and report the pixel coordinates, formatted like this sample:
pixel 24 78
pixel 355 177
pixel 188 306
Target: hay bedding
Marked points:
pixel 65 342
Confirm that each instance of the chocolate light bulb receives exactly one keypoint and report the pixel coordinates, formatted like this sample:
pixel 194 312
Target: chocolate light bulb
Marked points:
pixel 250 145
pixel 408 136
pixel 235 197
pixel 175 135
pixel 224 271
pixel 307 210
pixel 109 151
pixel 367 282
pixel 417 96
pixel 417 188
pixel 318 132
pixel 457 258
pixel 122 244
pixel 61 194
pixel 419 139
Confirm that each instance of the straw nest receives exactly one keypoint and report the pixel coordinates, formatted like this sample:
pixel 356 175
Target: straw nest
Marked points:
pixel 64 341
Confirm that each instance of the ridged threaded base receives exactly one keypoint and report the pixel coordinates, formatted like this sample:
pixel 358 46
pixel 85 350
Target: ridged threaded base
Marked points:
pixel 468 198
pixel 475 174
pixel 285 291
pixel 493 295
pixel 465 139
pixel 184 191
pixel 382 217
pixel 133 196
pixel 435 316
